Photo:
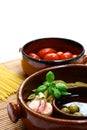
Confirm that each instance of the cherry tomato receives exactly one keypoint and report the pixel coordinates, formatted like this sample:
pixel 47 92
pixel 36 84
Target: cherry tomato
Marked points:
pixel 44 51
pixel 67 55
pixel 60 54
pixel 74 55
pixel 33 55
pixel 51 56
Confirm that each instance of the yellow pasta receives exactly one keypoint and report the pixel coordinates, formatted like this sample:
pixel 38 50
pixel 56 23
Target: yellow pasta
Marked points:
pixel 9 82
pixel 6 86
pixel 8 73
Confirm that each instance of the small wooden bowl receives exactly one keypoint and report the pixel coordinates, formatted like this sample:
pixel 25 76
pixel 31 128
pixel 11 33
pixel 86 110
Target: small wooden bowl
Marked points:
pixel 31 65
pixel 78 95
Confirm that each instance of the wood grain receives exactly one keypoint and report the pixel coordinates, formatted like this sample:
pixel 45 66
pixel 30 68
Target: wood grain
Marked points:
pixel 15 65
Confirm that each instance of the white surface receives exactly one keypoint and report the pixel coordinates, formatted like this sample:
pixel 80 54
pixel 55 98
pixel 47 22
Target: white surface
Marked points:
pixel 24 20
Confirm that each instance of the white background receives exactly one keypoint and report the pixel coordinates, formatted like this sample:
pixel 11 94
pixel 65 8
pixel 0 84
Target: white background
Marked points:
pixel 24 20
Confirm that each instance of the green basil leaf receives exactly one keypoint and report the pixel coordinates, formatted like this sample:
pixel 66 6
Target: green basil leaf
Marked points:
pixel 57 93
pixel 61 87
pixel 41 88
pixel 46 83
pixel 50 91
pixel 65 93
pixel 50 76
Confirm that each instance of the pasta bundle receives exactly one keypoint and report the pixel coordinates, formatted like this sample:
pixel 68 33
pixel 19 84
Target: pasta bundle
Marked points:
pixel 9 82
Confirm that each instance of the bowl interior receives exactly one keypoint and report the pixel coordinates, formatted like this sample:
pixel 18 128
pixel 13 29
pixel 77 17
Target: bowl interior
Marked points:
pixel 59 44
pixel 31 65
pixel 68 73
pixel 78 97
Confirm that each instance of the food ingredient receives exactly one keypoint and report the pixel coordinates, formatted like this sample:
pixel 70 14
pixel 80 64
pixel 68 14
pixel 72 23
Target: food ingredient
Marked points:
pixel 54 89
pixel 41 100
pixel 33 55
pixel 73 109
pixel 9 82
pixel 42 52
pixel 52 54
pixel 40 105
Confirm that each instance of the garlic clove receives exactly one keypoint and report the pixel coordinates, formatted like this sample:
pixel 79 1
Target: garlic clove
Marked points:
pixel 34 104
pixel 45 108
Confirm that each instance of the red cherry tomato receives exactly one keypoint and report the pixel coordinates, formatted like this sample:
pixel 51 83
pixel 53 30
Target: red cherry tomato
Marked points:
pixel 44 51
pixel 51 56
pixel 67 55
pixel 74 55
pixel 33 55
pixel 60 54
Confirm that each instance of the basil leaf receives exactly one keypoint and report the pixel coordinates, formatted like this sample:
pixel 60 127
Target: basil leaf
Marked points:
pixel 65 93
pixel 41 88
pixel 46 83
pixel 50 76
pixel 56 93
pixel 61 87
pixel 50 91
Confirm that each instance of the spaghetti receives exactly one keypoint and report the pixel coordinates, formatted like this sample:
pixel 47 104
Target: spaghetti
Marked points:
pixel 9 82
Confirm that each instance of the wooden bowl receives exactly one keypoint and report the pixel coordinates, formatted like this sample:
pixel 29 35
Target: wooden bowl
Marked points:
pixel 78 97
pixel 31 65
pixel 35 121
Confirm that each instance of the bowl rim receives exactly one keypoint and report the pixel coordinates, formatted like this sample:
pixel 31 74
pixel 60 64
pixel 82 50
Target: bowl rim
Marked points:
pixel 25 107
pixel 53 61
